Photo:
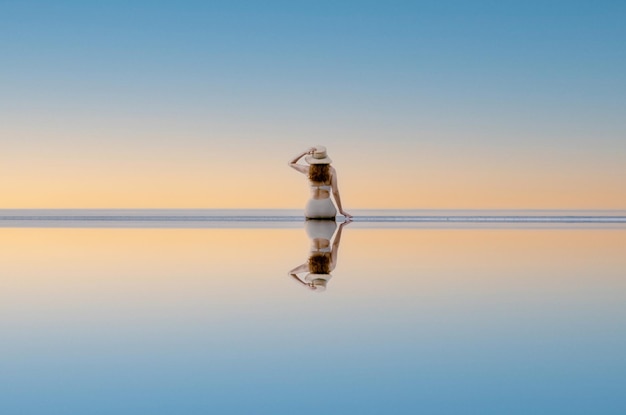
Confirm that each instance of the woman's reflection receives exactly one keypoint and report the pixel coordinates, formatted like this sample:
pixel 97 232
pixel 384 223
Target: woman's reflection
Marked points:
pixel 323 257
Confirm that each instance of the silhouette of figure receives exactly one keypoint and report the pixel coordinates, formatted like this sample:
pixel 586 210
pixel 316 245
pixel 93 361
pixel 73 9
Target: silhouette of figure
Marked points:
pixel 323 179
pixel 323 255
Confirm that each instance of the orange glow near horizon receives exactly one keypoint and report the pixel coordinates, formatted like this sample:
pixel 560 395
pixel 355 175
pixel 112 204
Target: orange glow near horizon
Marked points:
pixel 279 187
pixel 217 174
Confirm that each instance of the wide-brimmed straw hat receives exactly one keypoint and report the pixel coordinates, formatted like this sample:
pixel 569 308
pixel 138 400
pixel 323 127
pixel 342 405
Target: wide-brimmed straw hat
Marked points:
pixel 319 156
pixel 318 281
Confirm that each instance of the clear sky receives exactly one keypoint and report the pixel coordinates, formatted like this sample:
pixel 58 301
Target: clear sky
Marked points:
pixel 422 104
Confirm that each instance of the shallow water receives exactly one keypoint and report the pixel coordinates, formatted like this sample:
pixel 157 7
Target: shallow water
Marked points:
pixel 440 320
pixel 293 218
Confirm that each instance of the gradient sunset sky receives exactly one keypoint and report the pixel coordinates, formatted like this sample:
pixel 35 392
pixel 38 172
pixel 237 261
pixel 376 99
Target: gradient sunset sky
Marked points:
pixel 422 104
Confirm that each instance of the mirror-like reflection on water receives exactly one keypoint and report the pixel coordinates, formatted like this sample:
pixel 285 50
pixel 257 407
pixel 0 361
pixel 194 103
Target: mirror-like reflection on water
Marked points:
pixel 194 321
pixel 323 255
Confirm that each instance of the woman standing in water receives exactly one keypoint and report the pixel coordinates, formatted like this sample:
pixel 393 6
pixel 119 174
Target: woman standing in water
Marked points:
pixel 323 178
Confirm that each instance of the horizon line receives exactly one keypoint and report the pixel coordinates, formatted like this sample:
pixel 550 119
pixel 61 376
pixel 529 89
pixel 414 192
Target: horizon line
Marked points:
pixel 416 209
pixel 203 217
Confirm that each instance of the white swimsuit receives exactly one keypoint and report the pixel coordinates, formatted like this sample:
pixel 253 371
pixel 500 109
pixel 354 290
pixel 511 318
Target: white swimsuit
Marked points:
pixel 320 208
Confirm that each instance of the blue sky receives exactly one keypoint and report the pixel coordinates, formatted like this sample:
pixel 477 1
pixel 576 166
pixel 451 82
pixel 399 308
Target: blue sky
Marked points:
pixel 484 77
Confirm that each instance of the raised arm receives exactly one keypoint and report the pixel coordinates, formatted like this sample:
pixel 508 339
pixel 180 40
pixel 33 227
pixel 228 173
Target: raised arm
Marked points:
pixel 297 270
pixel 299 167
pixel 335 187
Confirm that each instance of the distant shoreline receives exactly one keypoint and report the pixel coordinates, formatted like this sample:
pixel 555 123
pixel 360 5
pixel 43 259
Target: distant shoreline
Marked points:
pixel 287 218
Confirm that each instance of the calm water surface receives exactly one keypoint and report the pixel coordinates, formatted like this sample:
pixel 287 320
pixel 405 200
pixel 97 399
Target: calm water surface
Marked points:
pixel 436 320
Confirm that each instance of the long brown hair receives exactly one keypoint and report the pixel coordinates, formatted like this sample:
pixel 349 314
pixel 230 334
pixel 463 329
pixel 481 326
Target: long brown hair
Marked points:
pixel 319 264
pixel 319 173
